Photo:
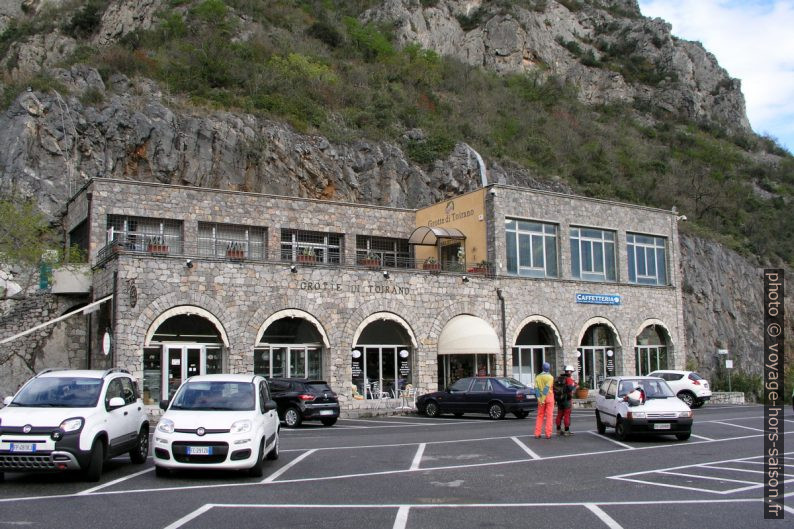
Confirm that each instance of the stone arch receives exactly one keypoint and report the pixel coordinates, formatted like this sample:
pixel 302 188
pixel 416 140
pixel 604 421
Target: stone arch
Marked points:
pixel 353 326
pixel 292 313
pixel 189 310
pixel 535 318
pixel 657 323
pixel 385 316
pixel 598 320
pixel 457 309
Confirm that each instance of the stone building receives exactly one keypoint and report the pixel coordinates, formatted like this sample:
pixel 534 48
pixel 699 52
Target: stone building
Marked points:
pixel 373 298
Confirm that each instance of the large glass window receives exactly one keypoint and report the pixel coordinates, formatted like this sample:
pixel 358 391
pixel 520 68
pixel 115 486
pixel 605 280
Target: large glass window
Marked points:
pixel 230 240
pixel 647 257
pixel 531 248
pixel 390 252
pixel 593 254
pixel 311 246
pixel 141 234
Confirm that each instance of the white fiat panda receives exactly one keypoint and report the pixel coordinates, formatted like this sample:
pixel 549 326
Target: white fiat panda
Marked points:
pixel 641 405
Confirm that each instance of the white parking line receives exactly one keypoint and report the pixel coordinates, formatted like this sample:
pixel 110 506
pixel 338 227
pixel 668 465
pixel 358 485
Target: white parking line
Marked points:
pixel 733 469
pixel 738 426
pixel 702 437
pixel 525 448
pixel 185 519
pixel 288 466
pixel 603 516
pixel 386 422
pixel 114 482
pixel 605 438
pixel 714 478
pixel 402 517
pixel 418 457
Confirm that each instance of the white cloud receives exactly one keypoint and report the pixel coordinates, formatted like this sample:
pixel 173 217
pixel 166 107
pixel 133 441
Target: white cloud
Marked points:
pixel 753 41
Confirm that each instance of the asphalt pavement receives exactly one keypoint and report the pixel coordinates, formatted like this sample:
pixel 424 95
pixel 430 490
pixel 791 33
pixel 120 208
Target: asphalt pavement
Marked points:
pixel 412 472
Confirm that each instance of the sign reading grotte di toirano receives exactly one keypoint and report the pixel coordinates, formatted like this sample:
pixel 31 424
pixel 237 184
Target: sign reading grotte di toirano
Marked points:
pixel 598 299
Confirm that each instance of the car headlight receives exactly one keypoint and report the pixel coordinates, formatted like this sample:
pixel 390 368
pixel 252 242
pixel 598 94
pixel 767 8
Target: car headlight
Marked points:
pixel 685 413
pixel 241 426
pixel 165 426
pixel 637 414
pixel 71 425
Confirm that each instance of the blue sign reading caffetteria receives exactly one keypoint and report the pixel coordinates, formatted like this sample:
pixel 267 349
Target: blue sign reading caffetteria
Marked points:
pixel 598 299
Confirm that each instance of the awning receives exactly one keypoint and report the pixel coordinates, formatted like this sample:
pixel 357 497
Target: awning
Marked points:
pixel 466 334
pixel 426 236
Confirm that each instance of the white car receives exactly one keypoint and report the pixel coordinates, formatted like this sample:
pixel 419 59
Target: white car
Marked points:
pixel 688 385
pixel 653 410
pixel 73 420
pixel 218 421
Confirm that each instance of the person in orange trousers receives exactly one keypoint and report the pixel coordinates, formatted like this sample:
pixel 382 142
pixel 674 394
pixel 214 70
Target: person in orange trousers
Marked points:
pixel 543 391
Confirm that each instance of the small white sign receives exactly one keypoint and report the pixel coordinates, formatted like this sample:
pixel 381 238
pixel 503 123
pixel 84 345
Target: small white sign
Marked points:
pixel 728 364
pixel 106 343
pixel 722 351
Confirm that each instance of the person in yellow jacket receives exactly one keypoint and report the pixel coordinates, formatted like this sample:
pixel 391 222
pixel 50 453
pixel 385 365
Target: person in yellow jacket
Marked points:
pixel 544 383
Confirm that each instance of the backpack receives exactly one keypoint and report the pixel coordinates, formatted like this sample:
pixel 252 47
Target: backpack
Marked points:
pixel 559 385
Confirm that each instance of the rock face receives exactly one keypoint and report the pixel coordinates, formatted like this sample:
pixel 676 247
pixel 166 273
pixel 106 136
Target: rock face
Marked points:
pixel 574 43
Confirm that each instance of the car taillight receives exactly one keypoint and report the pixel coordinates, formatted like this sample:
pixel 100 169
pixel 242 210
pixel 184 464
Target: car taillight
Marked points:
pixel 696 382
pixel 306 397
pixel 519 396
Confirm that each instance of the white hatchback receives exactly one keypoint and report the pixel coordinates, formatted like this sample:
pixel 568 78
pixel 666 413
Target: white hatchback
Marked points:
pixel 658 411
pixel 689 386
pixel 218 421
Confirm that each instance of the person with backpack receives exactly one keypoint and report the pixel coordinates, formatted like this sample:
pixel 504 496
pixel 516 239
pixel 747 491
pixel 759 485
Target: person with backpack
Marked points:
pixel 545 395
pixel 564 386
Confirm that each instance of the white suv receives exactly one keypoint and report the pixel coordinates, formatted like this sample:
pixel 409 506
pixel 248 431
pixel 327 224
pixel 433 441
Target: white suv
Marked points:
pixel 73 420
pixel 651 409
pixel 688 385
pixel 218 421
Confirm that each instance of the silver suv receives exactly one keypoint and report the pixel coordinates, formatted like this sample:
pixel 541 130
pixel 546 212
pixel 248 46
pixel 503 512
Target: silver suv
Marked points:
pixel 73 420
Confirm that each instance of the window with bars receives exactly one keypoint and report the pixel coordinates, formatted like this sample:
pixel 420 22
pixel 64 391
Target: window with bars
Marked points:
pixel 232 241
pixel 593 254
pixel 531 248
pixel 143 234
pixel 647 257
pixel 389 252
pixel 311 246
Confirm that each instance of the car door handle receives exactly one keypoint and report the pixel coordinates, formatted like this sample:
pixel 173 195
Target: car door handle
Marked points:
pixel 126 413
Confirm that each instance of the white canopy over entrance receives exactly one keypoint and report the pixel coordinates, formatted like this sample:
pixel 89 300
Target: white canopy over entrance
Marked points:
pixel 426 236
pixel 466 334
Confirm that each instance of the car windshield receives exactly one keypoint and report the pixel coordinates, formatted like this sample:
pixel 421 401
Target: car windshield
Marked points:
pixel 59 392
pixel 654 388
pixel 215 396
pixel 510 383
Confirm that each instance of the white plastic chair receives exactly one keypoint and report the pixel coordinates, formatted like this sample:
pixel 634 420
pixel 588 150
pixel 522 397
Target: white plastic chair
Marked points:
pixel 408 395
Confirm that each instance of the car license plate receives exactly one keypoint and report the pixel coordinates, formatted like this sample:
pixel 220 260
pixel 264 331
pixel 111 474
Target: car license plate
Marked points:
pixel 199 450
pixel 23 447
pixel 326 412
pixel 661 426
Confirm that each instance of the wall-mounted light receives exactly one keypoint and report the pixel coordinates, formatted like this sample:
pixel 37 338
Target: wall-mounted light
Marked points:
pixel 355 353
pixel 610 353
pixel 465 279
pixel 189 263
pixel 386 274
pixel 293 269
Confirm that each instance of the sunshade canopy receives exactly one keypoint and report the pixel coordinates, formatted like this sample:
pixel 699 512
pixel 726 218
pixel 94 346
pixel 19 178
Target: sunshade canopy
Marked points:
pixel 467 334
pixel 427 236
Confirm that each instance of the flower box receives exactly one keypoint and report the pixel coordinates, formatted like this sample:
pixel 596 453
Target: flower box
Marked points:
pixel 237 255
pixel 369 262
pixel 478 270
pixel 157 249
pixel 433 267
pixel 307 258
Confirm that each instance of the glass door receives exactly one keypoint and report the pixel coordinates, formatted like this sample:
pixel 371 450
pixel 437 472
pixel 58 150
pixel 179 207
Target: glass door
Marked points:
pixel 592 365
pixel 183 361
pixel 173 371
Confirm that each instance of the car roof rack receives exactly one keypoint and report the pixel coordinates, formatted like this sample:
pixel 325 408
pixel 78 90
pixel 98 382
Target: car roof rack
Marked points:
pixel 48 370
pixel 114 370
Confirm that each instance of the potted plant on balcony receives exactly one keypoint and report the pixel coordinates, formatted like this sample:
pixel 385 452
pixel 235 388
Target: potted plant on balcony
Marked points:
pixel 306 255
pixel 157 246
pixel 483 268
pixel 431 264
pixel 235 251
pixel 370 260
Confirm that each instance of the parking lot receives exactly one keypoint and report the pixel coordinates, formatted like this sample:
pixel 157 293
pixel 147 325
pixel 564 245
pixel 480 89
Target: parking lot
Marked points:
pixel 413 472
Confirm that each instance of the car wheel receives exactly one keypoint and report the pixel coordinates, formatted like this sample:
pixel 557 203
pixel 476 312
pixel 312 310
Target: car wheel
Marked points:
pixel 93 471
pixel 329 421
pixel 683 436
pixel 600 426
pixel 458 414
pixel 521 414
pixel 273 454
pixel 139 454
pixel 293 417
pixel 620 430
pixel 161 472
pixel 257 471
pixel 496 411
pixel 698 403
pixel 687 397
pixel 432 409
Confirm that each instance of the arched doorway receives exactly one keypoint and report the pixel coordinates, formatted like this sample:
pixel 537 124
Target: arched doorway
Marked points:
pixel 535 344
pixel 181 343
pixel 382 357
pixel 597 354
pixel 651 351
pixel 290 346
pixel 467 346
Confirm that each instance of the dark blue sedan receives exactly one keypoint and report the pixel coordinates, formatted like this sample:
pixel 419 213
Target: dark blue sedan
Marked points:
pixel 495 396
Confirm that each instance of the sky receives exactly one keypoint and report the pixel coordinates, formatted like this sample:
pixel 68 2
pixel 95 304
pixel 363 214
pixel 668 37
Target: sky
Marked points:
pixel 754 41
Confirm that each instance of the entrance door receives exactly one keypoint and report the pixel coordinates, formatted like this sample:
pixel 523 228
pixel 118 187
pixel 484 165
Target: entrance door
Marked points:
pixel 184 361
pixel 593 365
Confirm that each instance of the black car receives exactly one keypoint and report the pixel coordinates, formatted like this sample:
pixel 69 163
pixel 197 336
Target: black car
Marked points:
pixel 495 396
pixel 301 399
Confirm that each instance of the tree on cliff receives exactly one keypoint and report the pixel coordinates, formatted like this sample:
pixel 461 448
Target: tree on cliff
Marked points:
pixel 26 239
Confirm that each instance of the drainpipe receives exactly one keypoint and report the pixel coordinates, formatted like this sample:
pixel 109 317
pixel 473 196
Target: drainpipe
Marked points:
pixel 114 317
pixel 504 331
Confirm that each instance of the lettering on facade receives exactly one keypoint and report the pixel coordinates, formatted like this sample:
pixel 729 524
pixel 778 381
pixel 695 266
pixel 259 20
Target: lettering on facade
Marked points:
pixel 450 217
pixel 598 299
pixel 384 288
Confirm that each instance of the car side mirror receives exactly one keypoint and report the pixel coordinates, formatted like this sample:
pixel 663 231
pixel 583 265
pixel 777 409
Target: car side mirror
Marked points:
pixel 270 405
pixel 609 397
pixel 116 402
pixel 164 404
pixel 7 400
